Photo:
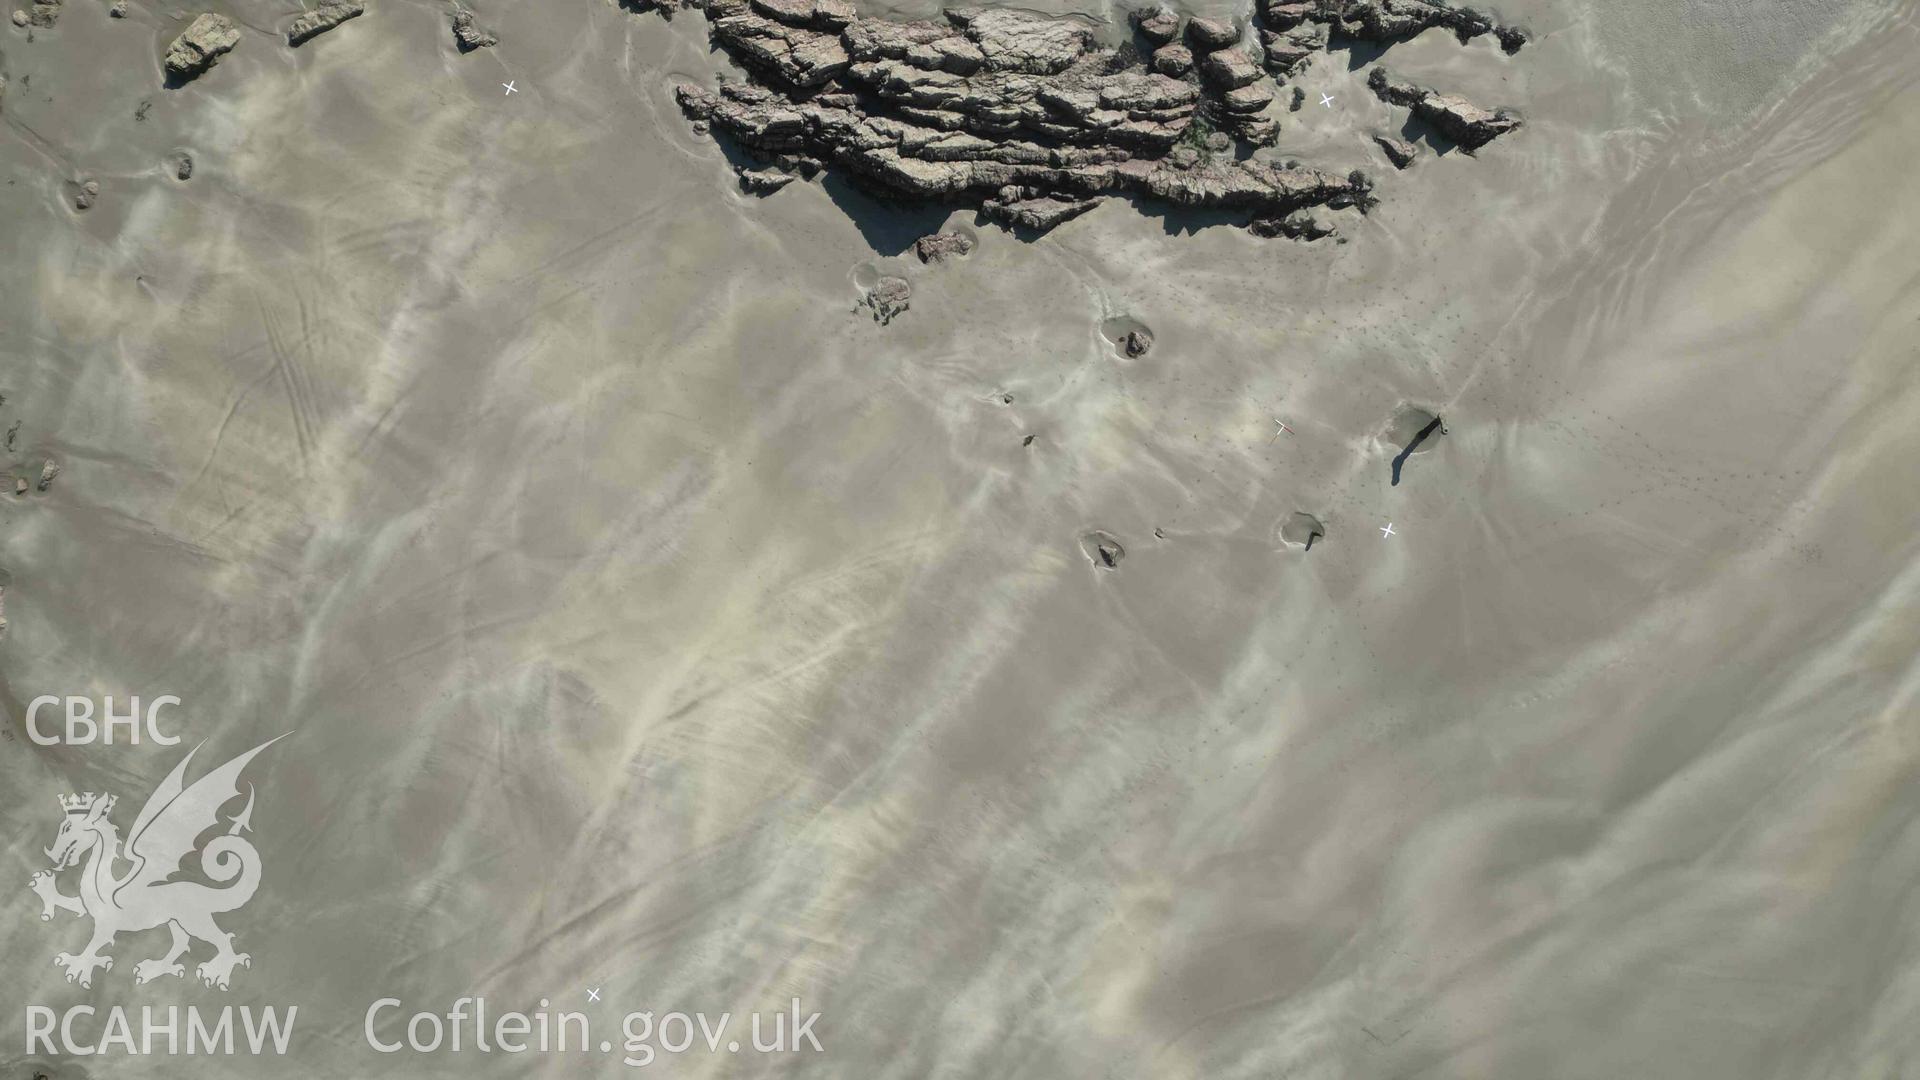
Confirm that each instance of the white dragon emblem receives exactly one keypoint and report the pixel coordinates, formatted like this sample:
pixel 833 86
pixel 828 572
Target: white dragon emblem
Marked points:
pixel 146 896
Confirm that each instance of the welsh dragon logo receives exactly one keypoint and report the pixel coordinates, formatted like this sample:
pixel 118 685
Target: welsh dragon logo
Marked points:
pixel 151 892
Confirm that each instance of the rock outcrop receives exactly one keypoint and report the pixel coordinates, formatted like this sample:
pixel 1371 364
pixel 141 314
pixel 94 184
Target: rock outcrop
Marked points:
pixel 204 41
pixel 1023 116
pixel 888 297
pixel 1030 120
pixel 469 35
pixel 939 247
pixel 322 19
pixel 1455 117
pixel 1399 151
pixel 1388 21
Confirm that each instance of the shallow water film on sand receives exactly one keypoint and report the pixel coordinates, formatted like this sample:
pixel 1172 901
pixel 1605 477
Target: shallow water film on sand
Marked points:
pixel 814 538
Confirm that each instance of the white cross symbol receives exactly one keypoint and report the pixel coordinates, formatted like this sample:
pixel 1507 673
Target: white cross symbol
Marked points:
pixel 593 993
pixel 1327 101
pixel 1283 429
pixel 511 89
pixel 1387 530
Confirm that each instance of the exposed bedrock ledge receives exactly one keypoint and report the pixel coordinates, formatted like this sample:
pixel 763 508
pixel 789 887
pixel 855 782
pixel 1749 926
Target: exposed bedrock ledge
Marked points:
pixel 1028 118
pixel 1455 117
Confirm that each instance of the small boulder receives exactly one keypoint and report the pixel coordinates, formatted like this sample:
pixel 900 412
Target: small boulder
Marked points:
pixel 1399 151
pixel 470 36
pixel 1172 60
pixel 88 194
pixel 204 41
pixel 939 247
pixel 1207 35
pixel 322 19
pixel 889 297
pixel 1158 25
pixel 47 472
pixel 762 181
pixel 1230 69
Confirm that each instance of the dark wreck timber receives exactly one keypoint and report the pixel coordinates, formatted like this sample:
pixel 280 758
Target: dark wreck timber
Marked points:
pixel 1033 122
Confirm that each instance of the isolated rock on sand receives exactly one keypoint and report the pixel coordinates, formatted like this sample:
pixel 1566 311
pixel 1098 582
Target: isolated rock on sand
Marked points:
pixel 1455 117
pixel 468 35
pixel 762 181
pixel 1399 151
pixel 1302 530
pixel 43 13
pixel 1299 225
pixel 197 47
pixel 1137 343
pixel 183 166
pixel 47 472
pixel 888 297
pixel 1102 550
pixel 322 19
pixel 20 485
pixel 939 247
pixel 118 10
pixel 88 194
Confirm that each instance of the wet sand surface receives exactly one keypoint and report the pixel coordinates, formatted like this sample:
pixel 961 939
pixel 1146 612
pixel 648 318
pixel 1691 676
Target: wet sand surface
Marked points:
pixel 651 618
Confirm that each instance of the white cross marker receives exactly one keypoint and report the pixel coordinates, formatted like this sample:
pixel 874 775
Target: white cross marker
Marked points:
pixel 511 89
pixel 593 994
pixel 1387 530
pixel 1325 100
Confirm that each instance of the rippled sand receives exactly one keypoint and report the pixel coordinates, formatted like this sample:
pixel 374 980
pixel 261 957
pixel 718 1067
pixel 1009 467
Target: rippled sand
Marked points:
pixel 650 618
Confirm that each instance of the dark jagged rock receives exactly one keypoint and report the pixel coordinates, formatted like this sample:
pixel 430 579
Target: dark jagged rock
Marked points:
pixel 1023 116
pixel 1299 225
pixel 470 36
pixel 118 10
pixel 939 247
pixel 1159 25
pixel 204 41
pixel 183 167
pixel 1455 117
pixel 1102 550
pixel 1399 151
pixel 1389 21
pixel 1137 342
pixel 87 195
pixel 322 19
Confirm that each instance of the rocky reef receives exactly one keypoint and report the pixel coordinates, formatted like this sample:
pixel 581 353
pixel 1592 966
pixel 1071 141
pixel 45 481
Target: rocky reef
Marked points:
pixel 1032 121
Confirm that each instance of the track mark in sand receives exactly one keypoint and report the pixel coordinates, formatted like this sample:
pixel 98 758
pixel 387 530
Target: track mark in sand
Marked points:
pixel 287 365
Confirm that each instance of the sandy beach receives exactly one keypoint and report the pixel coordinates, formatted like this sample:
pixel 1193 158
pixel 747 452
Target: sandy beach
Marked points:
pixel 649 617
